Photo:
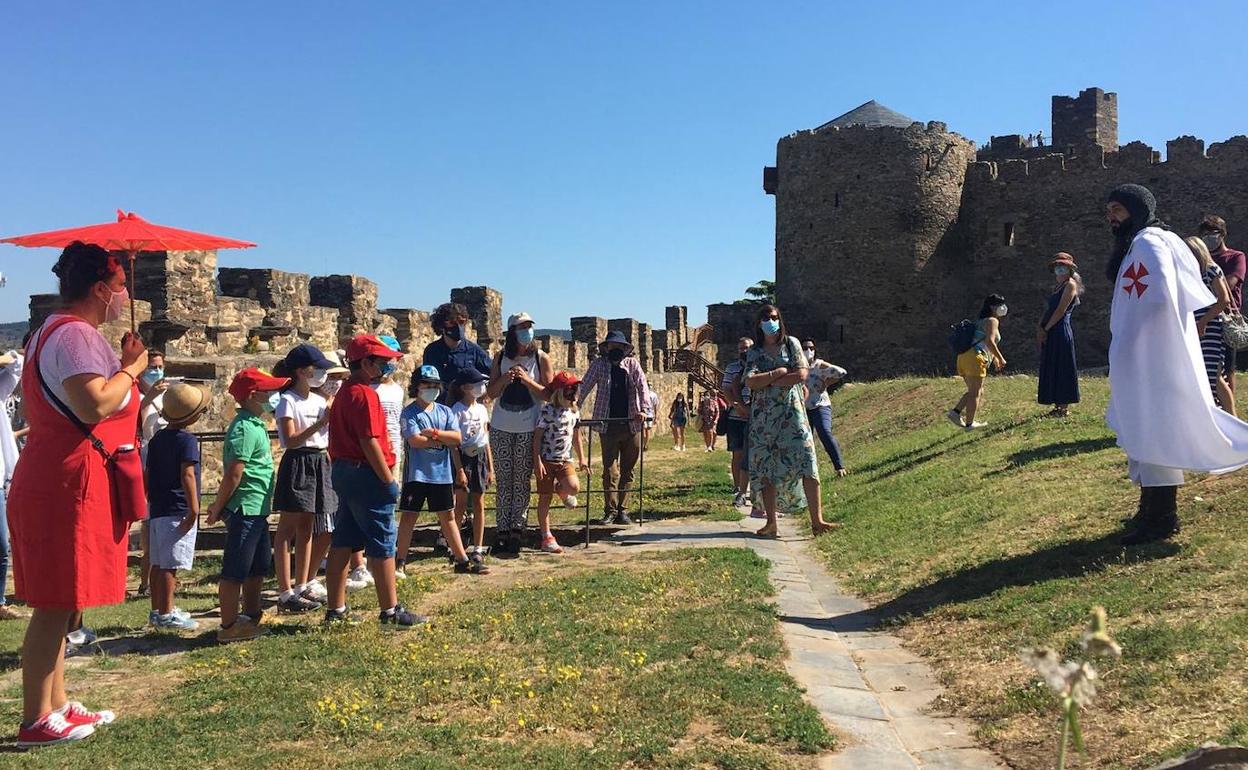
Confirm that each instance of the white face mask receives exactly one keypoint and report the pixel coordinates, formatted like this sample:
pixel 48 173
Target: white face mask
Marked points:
pixel 318 378
pixel 332 387
pixel 1002 310
pixel 810 353
pixel 429 395
pixel 117 304
pixel 1213 241
pixel 477 390
pixel 1061 272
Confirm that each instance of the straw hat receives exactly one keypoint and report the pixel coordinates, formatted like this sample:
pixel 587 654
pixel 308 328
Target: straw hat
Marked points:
pixel 183 402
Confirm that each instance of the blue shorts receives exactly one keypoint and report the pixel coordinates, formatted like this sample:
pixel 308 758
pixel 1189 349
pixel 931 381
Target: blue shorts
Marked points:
pixel 248 549
pixel 365 517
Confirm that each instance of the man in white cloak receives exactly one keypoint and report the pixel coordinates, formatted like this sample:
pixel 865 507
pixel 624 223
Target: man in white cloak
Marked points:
pixel 1160 404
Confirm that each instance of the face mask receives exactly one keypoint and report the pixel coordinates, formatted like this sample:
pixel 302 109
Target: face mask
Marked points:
pixel 810 353
pixel 117 304
pixel 477 390
pixel 332 387
pixel 615 355
pixel 1061 272
pixel 153 375
pixel 429 395
pixel 271 404
pixel 455 333
pixel 524 336
pixel 388 368
pixel 1002 310
pixel 1212 240
pixel 742 354
pixel 770 326
pixel 318 378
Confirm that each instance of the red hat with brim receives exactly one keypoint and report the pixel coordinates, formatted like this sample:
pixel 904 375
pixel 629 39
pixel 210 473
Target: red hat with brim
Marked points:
pixel 563 380
pixel 362 346
pixel 1062 258
pixel 252 380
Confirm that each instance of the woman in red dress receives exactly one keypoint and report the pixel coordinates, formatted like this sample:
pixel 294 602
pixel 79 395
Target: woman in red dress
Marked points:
pixel 69 541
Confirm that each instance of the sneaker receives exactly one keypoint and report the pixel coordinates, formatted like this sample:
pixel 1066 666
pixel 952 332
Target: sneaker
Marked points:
pixel 439 545
pixel 173 622
pixel 401 619
pixel 551 545
pixel 77 714
pixel 81 637
pixel 471 566
pixel 9 612
pixel 974 425
pixel 315 592
pixel 623 519
pixel 608 518
pixel 400 573
pixel 955 417
pixel 570 502
pixel 51 729
pixel 358 579
pixel 243 629
pixel 738 500
pixel 344 617
pixel 293 602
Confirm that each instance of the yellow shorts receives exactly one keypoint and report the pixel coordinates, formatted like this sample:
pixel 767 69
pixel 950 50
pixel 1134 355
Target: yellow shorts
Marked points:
pixel 973 363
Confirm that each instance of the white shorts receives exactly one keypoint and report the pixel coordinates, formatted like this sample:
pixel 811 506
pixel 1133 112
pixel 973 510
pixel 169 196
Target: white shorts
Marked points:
pixel 168 548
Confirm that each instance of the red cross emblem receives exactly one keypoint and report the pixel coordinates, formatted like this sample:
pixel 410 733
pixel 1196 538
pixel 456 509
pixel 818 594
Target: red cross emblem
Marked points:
pixel 1135 273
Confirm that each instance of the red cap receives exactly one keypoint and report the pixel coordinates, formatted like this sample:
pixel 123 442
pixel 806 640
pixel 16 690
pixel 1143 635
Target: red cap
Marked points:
pixel 564 380
pixel 362 346
pixel 250 380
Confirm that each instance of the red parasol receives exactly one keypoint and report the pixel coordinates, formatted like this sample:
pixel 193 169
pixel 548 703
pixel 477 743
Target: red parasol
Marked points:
pixel 131 233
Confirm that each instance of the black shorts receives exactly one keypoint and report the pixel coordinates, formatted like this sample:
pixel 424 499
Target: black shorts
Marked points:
pixel 737 432
pixel 474 469
pixel 439 497
pixel 303 484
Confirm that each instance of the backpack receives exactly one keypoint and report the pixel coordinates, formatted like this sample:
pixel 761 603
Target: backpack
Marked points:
pixel 962 336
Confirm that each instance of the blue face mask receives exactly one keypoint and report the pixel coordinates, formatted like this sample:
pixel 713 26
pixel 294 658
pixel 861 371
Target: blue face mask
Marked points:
pixel 152 375
pixel 770 326
pixel 388 368
pixel 271 404
pixel 524 336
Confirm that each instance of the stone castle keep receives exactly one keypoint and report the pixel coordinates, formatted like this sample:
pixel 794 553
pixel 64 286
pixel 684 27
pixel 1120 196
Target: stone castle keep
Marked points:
pixel 889 230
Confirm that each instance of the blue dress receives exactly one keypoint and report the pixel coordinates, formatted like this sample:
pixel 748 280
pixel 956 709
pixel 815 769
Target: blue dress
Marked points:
pixel 1059 375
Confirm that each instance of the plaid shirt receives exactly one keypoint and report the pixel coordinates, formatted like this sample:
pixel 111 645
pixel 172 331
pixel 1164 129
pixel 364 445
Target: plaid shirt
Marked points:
pixel 599 375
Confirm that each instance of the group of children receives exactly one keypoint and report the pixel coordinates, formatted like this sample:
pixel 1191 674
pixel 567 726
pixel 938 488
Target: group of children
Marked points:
pixel 337 486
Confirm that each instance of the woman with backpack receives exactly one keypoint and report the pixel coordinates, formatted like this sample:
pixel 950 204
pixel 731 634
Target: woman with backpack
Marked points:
pixel 974 361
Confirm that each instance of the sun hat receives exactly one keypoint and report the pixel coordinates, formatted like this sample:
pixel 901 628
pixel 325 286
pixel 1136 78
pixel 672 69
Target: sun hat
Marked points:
pixel 518 318
pixel 1062 258
pixel 183 402
pixel 362 346
pixel 616 336
pixel 252 380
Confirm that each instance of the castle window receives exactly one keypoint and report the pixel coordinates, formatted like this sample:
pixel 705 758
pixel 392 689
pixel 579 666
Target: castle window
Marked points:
pixel 836 201
pixel 1007 234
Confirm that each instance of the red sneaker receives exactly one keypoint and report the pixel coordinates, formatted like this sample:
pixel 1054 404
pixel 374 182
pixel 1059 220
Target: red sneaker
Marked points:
pixel 50 730
pixel 76 714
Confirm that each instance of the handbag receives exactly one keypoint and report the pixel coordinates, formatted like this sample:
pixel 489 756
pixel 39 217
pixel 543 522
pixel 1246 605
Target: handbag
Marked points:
pixel 124 464
pixel 1234 330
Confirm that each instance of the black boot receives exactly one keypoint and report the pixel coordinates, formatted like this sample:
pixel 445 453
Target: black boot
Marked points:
pixel 1161 519
pixel 1141 512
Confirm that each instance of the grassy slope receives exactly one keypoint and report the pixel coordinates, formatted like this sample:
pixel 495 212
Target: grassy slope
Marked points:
pixel 976 545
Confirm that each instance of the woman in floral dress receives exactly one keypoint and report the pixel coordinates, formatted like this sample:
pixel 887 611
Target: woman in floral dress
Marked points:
pixel 781 446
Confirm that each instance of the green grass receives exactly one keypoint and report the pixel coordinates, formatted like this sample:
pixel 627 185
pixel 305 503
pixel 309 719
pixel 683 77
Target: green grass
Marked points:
pixel 666 661
pixel 974 545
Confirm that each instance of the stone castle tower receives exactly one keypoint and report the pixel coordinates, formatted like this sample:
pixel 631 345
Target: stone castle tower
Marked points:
pixel 889 230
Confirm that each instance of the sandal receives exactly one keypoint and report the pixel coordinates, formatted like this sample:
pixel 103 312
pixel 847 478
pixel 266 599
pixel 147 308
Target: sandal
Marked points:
pixel 770 532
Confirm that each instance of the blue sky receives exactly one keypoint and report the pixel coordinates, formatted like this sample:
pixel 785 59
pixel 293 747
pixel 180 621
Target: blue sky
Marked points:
pixel 585 158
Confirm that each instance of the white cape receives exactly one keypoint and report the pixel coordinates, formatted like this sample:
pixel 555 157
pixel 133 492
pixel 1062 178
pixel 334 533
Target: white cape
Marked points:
pixel 1160 403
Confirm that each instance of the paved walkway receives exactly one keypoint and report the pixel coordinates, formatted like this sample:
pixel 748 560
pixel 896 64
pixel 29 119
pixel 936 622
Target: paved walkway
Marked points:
pixel 870 689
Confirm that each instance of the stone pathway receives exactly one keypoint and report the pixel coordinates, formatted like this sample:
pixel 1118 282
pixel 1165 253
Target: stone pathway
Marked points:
pixel 865 684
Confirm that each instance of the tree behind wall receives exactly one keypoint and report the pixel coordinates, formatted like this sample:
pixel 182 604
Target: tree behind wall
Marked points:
pixel 761 293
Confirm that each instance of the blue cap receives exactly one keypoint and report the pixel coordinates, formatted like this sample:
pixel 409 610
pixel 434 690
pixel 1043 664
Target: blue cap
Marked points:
pixel 390 342
pixel 307 354
pixel 428 373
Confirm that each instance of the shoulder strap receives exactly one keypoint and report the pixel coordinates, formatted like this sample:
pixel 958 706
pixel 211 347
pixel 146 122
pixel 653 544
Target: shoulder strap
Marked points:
pixel 60 405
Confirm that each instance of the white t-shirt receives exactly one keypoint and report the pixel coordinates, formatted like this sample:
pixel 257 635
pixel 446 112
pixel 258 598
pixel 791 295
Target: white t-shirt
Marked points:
pixel 391 396
pixel 473 422
pixel 305 412
pixel 150 420
pixel 652 401
pixel 10 376
pixel 516 408
pixel 75 348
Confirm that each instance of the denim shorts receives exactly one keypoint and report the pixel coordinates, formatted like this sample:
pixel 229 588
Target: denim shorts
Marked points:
pixel 365 517
pixel 248 549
